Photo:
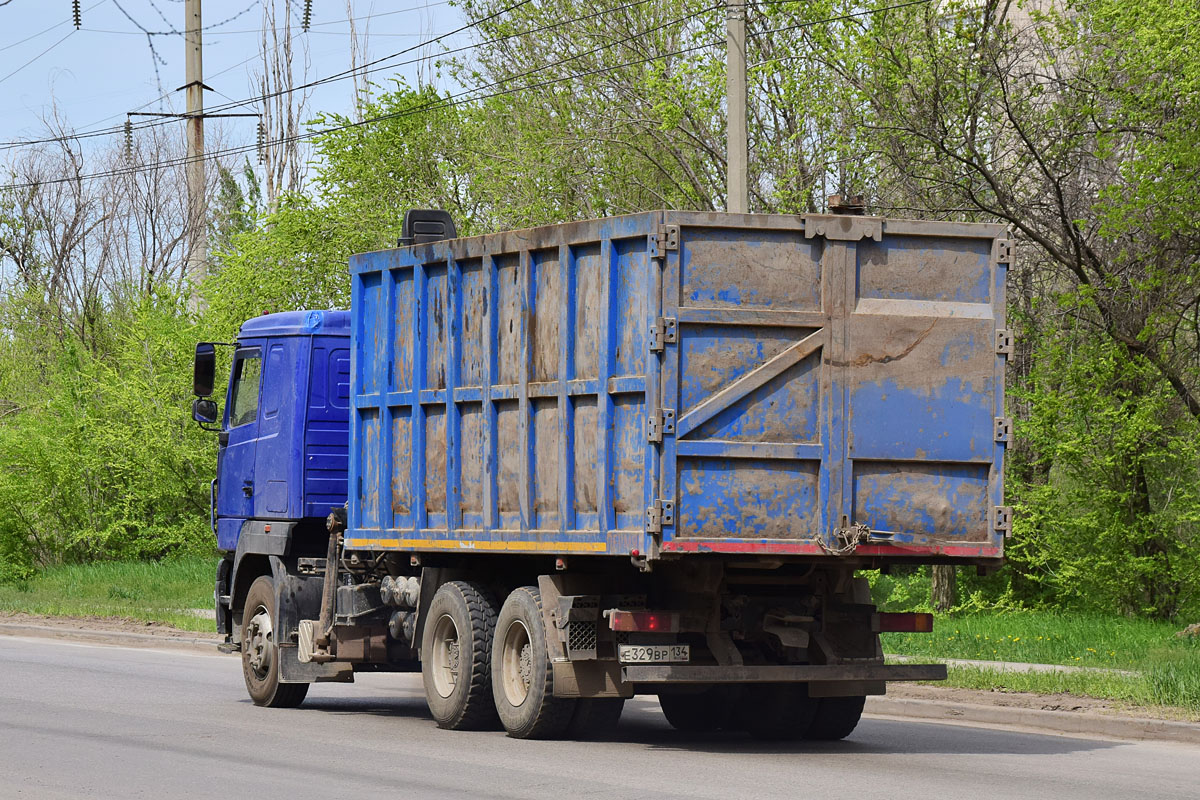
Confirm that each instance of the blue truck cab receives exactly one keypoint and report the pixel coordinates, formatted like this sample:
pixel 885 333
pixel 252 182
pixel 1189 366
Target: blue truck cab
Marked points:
pixel 282 453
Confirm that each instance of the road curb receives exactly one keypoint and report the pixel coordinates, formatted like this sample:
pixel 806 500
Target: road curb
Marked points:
pixel 127 638
pixel 1064 722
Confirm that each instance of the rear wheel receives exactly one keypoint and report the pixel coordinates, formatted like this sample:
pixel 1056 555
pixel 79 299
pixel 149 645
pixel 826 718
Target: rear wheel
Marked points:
pixel 260 651
pixel 595 717
pixel 778 711
pixel 522 679
pixel 836 718
pixel 456 649
pixel 700 712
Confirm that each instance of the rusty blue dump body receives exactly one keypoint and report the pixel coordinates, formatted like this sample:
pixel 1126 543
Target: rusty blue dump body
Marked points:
pixel 678 382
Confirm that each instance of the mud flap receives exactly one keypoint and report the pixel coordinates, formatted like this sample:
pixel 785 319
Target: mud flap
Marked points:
pixel 292 670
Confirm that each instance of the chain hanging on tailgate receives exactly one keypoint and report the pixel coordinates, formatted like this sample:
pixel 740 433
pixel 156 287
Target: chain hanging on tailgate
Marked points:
pixel 851 537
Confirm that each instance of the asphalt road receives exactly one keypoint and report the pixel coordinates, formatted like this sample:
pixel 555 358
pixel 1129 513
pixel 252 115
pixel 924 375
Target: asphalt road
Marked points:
pixel 90 721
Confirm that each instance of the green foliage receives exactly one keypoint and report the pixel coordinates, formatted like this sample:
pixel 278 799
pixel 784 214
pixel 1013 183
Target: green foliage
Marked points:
pixel 100 456
pixel 1109 509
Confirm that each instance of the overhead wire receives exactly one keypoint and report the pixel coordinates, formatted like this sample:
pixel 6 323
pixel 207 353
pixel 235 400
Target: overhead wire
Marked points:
pixel 311 25
pixel 470 94
pixel 467 95
pixel 120 129
pixel 39 55
pixel 369 67
pixel 47 30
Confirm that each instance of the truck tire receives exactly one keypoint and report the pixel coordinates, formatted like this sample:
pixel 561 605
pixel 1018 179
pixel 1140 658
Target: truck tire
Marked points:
pixel 595 717
pixel 260 651
pixel 836 718
pixel 700 712
pixel 456 650
pixel 522 679
pixel 778 711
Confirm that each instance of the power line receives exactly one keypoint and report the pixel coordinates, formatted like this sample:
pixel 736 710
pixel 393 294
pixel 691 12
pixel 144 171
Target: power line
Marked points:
pixel 39 55
pixel 363 69
pixel 47 30
pixel 451 101
pixel 463 96
pixel 174 32
pixel 841 18
pixel 119 129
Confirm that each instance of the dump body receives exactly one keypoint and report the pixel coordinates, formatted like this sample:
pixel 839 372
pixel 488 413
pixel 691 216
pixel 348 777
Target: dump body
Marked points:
pixel 676 382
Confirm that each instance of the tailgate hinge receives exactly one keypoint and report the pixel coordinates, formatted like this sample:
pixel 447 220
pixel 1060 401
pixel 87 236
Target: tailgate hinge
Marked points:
pixel 1004 426
pixel 662 331
pixel 1004 342
pixel 1004 520
pixel 1004 251
pixel 658 514
pixel 667 238
pixel 660 424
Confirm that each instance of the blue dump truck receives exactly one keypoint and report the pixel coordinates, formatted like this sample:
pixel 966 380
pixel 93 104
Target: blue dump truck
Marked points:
pixel 551 469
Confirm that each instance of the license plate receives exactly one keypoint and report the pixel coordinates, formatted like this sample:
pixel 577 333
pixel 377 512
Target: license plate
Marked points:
pixel 653 653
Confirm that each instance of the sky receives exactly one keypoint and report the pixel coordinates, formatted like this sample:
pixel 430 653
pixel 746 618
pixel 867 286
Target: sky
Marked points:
pixel 96 74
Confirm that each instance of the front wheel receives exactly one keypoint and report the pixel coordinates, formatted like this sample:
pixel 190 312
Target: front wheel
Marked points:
pixel 260 651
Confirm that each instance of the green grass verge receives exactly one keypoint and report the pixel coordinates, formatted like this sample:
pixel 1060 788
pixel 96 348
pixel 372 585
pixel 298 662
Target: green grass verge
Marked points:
pixel 1164 689
pixel 1046 637
pixel 148 591
pixel 1168 667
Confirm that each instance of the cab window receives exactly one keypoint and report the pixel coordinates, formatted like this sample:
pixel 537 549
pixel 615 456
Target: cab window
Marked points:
pixel 243 404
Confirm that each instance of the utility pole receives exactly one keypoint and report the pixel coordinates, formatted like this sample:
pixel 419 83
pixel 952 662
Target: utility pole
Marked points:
pixel 198 244
pixel 736 140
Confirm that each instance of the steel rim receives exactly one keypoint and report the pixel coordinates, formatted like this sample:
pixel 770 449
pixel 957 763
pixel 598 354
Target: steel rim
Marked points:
pixel 446 656
pixel 516 663
pixel 260 642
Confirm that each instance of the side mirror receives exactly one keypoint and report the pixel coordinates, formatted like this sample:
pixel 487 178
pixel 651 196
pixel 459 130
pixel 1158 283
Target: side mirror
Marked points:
pixel 204 369
pixel 204 411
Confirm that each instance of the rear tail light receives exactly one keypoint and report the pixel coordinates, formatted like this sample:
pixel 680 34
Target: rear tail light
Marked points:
pixel 643 621
pixel 903 623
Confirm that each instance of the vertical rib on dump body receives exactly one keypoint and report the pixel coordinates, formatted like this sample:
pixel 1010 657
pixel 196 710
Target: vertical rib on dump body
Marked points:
pixel 684 382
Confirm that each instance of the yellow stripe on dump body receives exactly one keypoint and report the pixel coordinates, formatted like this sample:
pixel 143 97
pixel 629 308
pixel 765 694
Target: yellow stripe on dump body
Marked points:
pixel 467 544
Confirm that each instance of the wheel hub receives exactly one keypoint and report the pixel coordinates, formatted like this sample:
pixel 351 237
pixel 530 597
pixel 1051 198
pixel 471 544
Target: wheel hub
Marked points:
pixel 526 665
pixel 446 656
pixel 516 670
pixel 260 642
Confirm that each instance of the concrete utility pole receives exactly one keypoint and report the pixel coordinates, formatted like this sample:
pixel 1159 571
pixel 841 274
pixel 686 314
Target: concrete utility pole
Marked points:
pixel 198 244
pixel 736 140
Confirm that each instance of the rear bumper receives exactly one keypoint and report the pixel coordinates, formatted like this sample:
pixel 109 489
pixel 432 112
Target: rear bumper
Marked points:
pixel 668 673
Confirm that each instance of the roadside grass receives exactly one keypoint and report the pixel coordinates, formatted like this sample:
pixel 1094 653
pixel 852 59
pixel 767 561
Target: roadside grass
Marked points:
pixel 1046 637
pixel 147 591
pixel 1168 667
pixel 1166 690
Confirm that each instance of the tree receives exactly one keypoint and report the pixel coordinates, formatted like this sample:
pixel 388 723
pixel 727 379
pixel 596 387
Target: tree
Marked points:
pixel 1078 128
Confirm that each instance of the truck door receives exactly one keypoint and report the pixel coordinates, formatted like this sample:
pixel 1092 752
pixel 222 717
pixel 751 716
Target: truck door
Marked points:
pixel 238 441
